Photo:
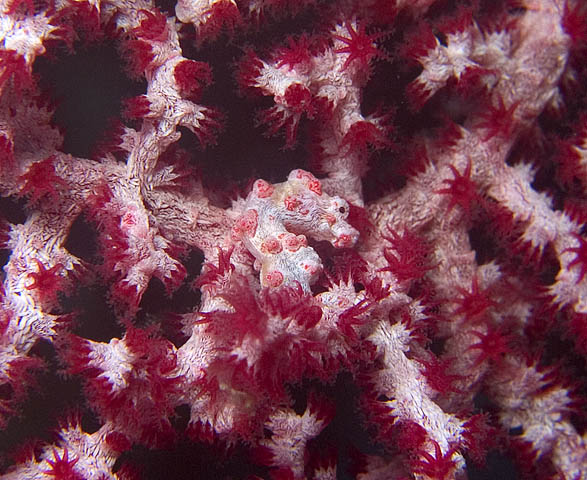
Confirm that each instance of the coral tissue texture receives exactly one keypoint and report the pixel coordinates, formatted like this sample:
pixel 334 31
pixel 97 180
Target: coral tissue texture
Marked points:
pixel 315 239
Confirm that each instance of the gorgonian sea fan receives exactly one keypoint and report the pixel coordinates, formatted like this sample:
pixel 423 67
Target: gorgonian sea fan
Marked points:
pixel 306 231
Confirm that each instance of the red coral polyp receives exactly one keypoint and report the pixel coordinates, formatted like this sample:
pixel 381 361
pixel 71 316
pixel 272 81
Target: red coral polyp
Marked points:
pixel 362 134
pixel 137 107
pixel 153 26
pixel 475 303
pixel 249 69
pixel 574 22
pixel 192 77
pixel 360 46
pixel 299 99
pixel 297 52
pixel 223 14
pixel 14 67
pixel 580 259
pixel 461 189
pixel 438 376
pixel 140 56
pixel 6 151
pixel 498 120
pixel 62 468
pixel 213 275
pixel 296 101
pixel 437 467
pixel 492 345
pixel 41 181
pixel 406 257
pixel 46 281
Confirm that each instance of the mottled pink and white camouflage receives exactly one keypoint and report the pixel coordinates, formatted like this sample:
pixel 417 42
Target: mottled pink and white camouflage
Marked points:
pixel 276 221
